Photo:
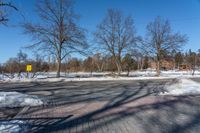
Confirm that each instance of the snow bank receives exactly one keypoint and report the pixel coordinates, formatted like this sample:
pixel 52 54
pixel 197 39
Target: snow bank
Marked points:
pixel 169 73
pixel 12 126
pixel 149 73
pixel 183 87
pixel 15 99
pixel 106 78
pixel 95 76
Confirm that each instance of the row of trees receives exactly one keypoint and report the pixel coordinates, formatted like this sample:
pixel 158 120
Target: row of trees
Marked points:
pixel 18 65
pixel 98 63
pixel 57 34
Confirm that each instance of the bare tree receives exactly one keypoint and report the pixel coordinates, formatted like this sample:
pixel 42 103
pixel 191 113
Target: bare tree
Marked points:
pixel 21 59
pixel 74 64
pixel 4 11
pixel 138 55
pixel 161 38
pixel 89 64
pixel 115 34
pixel 99 61
pixel 191 59
pixel 198 59
pixel 179 59
pixel 127 63
pixel 57 33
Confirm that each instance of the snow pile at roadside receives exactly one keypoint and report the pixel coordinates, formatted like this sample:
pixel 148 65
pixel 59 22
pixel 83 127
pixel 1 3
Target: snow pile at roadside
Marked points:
pixel 107 78
pixel 174 73
pixel 95 76
pixel 142 74
pixel 12 126
pixel 183 87
pixel 15 99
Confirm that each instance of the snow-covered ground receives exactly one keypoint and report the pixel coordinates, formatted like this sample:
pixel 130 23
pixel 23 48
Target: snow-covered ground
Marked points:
pixel 182 87
pixel 95 76
pixel 170 73
pixel 12 126
pixel 15 99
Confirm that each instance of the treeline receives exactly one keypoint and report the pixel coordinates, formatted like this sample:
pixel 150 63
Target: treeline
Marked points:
pixel 100 63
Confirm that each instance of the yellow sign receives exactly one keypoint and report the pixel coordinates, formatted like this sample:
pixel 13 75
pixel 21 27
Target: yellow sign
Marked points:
pixel 28 68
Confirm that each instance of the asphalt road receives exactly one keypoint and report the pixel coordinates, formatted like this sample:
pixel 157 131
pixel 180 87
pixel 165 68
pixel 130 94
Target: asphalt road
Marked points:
pixel 108 106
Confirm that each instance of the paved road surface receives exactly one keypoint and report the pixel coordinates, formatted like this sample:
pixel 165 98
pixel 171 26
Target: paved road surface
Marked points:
pixel 105 107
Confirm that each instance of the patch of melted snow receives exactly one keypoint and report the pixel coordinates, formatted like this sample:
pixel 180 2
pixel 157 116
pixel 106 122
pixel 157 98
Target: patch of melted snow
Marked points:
pixel 15 99
pixel 183 87
pixel 12 126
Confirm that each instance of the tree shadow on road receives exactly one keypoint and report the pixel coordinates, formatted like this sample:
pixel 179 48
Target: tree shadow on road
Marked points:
pixel 126 111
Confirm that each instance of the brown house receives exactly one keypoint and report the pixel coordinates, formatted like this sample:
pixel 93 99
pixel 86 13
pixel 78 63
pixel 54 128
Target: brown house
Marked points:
pixel 169 65
pixel 185 66
pixel 165 65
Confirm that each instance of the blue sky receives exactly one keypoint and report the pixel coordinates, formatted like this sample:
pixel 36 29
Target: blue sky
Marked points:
pixel 183 14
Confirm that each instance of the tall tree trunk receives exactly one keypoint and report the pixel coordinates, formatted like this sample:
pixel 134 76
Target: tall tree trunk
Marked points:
pixel 193 71
pixel 194 66
pixel 158 68
pixel 138 64
pixel 118 64
pixel 158 65
pixel 119 69
pixel 142 65
pixel 59 58
pixel 102 67
pixel 58 67
pixel 174 64
pixel 98 67
pixel 128 71
pixel 178 66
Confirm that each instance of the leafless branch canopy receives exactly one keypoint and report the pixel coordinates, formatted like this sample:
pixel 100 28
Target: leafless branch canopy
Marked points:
pixel 116 34
pixel 57 33
pixel 161 38
pixel 3 11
